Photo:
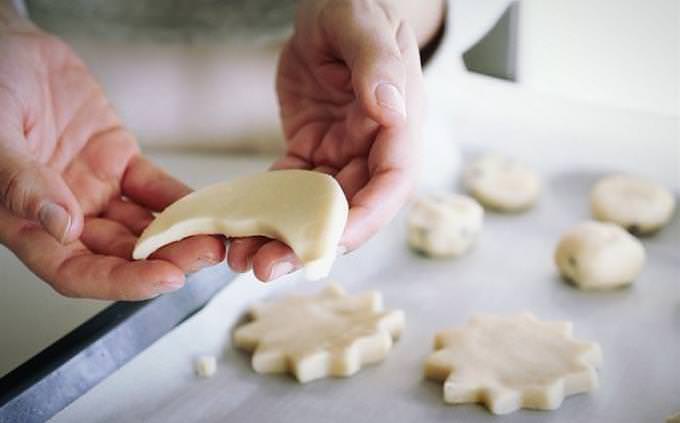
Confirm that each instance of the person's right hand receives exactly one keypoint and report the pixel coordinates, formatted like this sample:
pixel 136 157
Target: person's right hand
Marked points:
pixel 75 193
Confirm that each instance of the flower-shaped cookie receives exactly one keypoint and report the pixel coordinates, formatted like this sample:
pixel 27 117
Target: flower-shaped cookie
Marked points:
pixel 512 362
pixel 327 334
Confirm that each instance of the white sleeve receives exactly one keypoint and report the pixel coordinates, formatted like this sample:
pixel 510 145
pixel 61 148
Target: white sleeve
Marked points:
pixel 467 21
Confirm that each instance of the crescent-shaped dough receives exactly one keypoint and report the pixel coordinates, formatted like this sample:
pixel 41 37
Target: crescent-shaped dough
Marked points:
pixel 306 210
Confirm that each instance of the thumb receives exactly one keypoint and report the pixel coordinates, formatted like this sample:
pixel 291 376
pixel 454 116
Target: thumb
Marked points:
pixel 366 39
pixel 33 191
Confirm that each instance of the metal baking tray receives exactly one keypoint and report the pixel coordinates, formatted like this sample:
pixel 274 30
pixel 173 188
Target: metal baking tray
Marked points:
pixel 511 270
pixel 67 369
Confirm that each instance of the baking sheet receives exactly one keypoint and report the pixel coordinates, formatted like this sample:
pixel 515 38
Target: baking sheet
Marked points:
pixel 511 270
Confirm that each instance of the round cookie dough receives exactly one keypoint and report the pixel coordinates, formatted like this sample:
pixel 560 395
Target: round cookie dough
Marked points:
pixel 501 183
pixel 596 255
pixel 640 206
pixel 444 225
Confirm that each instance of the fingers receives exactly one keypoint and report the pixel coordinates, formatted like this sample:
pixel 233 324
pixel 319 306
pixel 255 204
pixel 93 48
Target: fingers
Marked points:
pixel 269 259
pixel 32 191
pixel 291 161
pixel 374 206
pixel 242 250
pixel 74 271
pixel 151 187
pixel 113 278
pixel 111 238
pixel 353 177
pixel 408 46
pixel 364 35
pixel 107 237
pixel 390 180
pixel 273 260
pixel 194 253
pixel 392 160
pixel 129 214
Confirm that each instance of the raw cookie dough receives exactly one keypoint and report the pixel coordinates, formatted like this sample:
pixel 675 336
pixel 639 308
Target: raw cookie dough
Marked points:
pixel 512 362
pixel 675 418
pixel 444 224
pixel 501 183
pixel 327 334
pixel 596 255
pixel 640 206
pixel 205 366
pixel 304 209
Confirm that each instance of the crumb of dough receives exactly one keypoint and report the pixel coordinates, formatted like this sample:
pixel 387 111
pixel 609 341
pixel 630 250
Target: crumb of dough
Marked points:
pixel 205 366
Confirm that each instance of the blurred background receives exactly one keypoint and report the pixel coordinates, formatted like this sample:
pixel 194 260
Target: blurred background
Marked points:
pixel 564 83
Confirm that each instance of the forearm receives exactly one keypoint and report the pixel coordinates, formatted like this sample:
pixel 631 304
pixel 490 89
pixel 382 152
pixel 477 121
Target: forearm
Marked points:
pixel 424 16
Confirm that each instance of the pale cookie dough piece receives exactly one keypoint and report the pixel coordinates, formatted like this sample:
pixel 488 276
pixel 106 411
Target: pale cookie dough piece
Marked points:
pixel 441 225
pixel 304 209
pixel 327 334
pixel 639 205
pixel 512 362
pixel 596 255
pixel 675 418
pixel 501 183
pixel 205 366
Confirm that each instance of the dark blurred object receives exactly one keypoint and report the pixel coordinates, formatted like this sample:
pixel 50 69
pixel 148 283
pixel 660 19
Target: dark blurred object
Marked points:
pixel 178 21
pixel 67 369
pixel 429 49
pixel 496 53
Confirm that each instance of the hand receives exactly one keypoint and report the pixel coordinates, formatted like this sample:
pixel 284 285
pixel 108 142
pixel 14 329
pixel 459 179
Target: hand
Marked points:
pixel 75 192
pixel 351 96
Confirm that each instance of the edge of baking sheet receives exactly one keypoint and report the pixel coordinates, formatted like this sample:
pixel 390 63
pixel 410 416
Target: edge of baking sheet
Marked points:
pixel 67 369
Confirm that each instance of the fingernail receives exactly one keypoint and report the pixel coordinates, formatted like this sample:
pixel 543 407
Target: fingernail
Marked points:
pixel 55 220
pixel 170 286
pixel 201 263
pixel 280 269
pixel 245 268
pixel 389 97
pixel 249 265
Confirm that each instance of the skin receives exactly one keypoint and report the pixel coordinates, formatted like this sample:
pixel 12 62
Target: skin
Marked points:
pixel 75 192
pixel 337 118
pixel 74 189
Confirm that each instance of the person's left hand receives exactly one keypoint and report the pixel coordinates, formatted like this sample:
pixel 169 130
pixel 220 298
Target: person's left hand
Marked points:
pixel 351 96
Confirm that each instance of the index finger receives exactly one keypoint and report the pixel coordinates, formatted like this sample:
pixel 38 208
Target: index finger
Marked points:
pixel 376 204
pixel 74 271
pixel 150 186
pixel 153 188
pixel 393 158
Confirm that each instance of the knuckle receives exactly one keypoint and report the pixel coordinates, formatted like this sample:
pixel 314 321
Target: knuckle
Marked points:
pixel 65 290
pixel 351 11
pixel 17 188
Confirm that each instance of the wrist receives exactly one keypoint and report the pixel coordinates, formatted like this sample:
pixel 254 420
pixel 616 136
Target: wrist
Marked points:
pixel 426 17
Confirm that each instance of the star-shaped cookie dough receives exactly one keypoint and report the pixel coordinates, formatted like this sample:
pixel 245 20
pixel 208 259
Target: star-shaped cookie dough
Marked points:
pixel 326 334
pixel 512 362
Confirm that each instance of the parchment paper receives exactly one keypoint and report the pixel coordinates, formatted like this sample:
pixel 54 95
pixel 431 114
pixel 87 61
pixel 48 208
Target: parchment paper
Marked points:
pixel 511 270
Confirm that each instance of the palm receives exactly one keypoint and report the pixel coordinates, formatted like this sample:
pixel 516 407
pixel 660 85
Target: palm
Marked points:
pixel 328 129
pixel 70 127
pixel 323 122
pixel 73 128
